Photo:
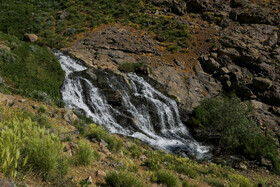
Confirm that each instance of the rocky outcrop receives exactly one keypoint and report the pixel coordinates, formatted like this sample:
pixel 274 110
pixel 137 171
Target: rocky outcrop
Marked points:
pixel 246 60
pixel 112 45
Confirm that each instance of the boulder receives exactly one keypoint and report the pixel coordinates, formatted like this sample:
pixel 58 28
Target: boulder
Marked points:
pixel 261 84
pixel 68 115
pixel 31 37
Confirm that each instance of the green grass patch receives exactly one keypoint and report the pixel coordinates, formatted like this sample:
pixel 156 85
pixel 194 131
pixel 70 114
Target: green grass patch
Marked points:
pixel 86 154
pixel 166 178
pixel 57 23
pixel 122 179
pixel 30 70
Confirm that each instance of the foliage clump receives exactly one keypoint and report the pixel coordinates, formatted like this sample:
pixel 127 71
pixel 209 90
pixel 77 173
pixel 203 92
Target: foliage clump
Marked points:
pixel 86 154
pixel 166 178
pixel 131 67
pixel 226 122
pixel 122 179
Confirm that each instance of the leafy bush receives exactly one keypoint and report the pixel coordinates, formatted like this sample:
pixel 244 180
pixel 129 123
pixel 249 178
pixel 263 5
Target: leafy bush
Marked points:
pixel 135 150
pixel 191 172
pixel 85 154
pixel 122 179
pixel 187 184
pixel 215 182
pixel 226 123
pixel 3 87
pixel 98 132
pixel 130 67
pixel 6 56
pixel 166 178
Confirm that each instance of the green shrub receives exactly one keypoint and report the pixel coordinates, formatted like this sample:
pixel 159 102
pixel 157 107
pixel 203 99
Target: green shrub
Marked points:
pixel 85 154
pixel 214 182
pixel 6 56
pixel 225 122
pixel 3 88
pixel 153 163
pixel 191 172
pixel 98 132
pixel 166 178
pixel 187 184
pixel 130 67
pixel 135 150
pixel 122 179
pixel 43 121
pixel 42 110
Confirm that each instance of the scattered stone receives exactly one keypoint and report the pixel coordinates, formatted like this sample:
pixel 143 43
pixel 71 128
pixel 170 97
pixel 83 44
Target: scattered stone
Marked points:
pixel 68 115
pixel 100 173
pixel 35 107
pixel 142 157
pixel 89 179
pixel 267 163
pixel 104 143
pixel 104 149
pixel 223 71
pixel 22 100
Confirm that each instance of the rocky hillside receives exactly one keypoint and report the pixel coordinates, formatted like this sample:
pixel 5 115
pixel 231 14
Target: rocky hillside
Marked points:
pixel 207 55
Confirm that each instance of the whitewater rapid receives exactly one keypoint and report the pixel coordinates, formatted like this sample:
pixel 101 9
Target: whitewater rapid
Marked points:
pixel 156 118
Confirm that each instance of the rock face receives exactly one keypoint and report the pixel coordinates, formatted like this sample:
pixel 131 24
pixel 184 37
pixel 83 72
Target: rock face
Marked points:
pixel 111 46
pixel 247 60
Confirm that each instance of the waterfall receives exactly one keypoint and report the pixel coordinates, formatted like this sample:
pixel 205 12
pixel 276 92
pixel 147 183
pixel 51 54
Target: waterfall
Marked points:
pixel 144 112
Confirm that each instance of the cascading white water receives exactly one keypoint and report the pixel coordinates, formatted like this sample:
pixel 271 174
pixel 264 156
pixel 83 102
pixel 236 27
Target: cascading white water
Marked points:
pixel 156 117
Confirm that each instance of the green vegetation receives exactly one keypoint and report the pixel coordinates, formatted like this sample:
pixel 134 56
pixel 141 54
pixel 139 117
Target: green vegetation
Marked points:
pixel 131 67
pixel 57 23
pixel 122 179
pixel 225 122
pixel 98 132
pixel 24 145
pixel 85 154
pixel 30 70
pixel 166 178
